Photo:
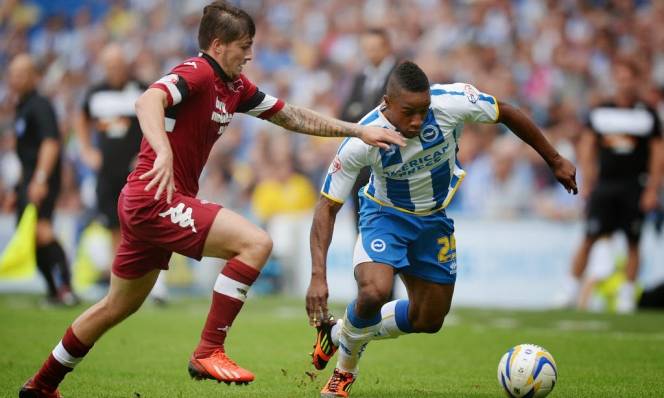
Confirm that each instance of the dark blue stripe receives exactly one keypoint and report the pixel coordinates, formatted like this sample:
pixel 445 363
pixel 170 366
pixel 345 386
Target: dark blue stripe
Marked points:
pixel 391 157
pixel 507 390
pixel 398 191
pixel 401 316
pixel 326 185
pixel 369 118
pixel 360 322
pixel 487 98
pixel 540 364
pixel 507 363
pixel 530 394
pixel 430 133
pixel 440 182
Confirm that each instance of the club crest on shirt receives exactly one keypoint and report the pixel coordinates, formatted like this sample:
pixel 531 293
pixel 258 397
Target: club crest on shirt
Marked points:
pixel 236 85
pixel 471 93
pixel 429 134
pixel 335 166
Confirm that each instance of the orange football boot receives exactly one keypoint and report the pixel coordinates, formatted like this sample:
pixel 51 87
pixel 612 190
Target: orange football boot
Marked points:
pixel 324 348
pixel 219 367
pixel 339 384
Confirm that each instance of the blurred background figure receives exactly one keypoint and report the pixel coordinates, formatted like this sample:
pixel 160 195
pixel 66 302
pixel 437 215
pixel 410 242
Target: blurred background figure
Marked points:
pixel 38 145
pixel 368 87
pixel 621 159
pixel 109 136
pixel 283 201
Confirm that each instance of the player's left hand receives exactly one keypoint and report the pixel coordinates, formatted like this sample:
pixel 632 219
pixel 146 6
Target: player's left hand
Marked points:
pixel 317 295
pixel 565 173
pixel 381 137
pixel 37 191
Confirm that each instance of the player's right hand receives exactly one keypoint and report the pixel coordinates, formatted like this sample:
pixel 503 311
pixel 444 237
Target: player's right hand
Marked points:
pixel 161 175
pixel 381 137
pixel 317 295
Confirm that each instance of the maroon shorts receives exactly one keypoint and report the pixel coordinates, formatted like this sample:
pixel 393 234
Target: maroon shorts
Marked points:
pixel 153 229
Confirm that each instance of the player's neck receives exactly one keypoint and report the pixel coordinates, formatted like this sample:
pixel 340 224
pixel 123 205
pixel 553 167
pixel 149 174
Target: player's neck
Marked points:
pixel 216 64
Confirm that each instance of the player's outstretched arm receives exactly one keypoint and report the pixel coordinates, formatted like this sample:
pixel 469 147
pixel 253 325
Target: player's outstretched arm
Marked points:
pixel 526 129
pixel 306 121
pixel 320 238
pixel 150 112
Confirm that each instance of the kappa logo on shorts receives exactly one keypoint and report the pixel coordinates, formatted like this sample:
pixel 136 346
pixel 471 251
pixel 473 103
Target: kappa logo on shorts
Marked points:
pixel 180 216
pixel 378 245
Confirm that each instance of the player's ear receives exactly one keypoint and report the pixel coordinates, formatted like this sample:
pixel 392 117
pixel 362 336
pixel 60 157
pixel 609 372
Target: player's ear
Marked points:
pixel 386 100
pixel 217 47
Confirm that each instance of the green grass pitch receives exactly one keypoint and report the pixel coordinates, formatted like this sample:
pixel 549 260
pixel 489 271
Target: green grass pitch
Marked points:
pixel 598 355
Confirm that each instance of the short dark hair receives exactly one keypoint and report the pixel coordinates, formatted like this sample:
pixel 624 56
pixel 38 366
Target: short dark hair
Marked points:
pixel 380 32
pixel 408 76
pixel 224 22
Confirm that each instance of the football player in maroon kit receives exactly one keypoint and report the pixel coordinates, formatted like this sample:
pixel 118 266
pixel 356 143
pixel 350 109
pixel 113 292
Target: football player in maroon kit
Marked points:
pixel 181 116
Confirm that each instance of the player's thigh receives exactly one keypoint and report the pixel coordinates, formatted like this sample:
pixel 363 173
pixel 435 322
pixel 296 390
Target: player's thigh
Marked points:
pixel 429 301
pixel 232 235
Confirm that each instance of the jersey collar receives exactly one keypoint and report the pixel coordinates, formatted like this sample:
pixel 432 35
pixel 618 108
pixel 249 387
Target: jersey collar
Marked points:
pixel 384 119
pixel 215 66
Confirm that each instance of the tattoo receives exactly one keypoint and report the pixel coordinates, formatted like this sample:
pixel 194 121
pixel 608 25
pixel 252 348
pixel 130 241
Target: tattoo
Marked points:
pixel 306 121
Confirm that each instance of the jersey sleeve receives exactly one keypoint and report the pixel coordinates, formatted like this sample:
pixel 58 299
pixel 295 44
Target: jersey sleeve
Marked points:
pixel 256 103
pixel 186 79
pixel 46 121
pixel 352 156
pixel 467 103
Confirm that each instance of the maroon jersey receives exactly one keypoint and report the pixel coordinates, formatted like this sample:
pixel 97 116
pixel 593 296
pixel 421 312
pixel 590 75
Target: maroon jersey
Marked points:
pixel 201 102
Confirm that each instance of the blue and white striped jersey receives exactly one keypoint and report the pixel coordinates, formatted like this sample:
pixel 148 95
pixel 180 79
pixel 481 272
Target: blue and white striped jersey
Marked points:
pixel 423 176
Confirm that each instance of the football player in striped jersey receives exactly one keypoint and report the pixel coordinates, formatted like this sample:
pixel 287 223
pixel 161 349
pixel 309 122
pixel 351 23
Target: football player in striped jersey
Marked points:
pixel 403 225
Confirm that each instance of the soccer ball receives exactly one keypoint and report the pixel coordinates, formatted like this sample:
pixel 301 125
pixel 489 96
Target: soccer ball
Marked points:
pixel 527 370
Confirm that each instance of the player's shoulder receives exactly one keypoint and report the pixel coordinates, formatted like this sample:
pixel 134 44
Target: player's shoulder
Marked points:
pixel 458 92
pixel 194 65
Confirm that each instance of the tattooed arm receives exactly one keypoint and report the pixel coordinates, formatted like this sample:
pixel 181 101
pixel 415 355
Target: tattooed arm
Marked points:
pixel 306 121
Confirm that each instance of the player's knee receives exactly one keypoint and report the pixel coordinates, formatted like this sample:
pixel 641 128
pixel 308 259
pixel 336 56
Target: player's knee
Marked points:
pixel 370 298
pixel 428 325
pixel 262 246
pixel 44 234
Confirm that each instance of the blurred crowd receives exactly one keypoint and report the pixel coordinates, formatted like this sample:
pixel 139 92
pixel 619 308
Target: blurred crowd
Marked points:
pixel 552 58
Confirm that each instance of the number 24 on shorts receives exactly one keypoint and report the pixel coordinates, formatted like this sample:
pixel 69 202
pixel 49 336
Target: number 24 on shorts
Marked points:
pixel 447 250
